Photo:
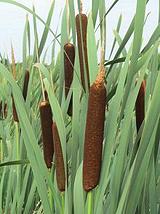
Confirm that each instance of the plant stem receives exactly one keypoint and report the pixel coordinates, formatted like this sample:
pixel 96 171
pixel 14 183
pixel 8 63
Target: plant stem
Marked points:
pixel 89 202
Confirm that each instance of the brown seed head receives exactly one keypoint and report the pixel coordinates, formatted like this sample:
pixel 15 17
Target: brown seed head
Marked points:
pixel 46 125
pixel 59 161
pixel 94 133
pixel 81 26
pixel 140 105
pixel 69 57
pixel 14 111
pixel 25 86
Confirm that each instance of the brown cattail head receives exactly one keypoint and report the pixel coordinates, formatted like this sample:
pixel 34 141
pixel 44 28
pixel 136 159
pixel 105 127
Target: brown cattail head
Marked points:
pixel 59 161
pixel 140 105
pixel 81 26
pixel 46 125
pixel 94 133
pixel 25 85
pixel 5 111
pixel 14 111
pixel 69 57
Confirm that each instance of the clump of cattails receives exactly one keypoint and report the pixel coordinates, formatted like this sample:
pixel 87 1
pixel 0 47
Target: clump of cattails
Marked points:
pixel 94 132
pixel 81 26
pixel 69 57
pixel 47 138
pixel 140 106
pixel 59 161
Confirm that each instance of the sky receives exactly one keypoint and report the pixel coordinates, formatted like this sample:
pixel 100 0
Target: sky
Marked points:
pixel 12 20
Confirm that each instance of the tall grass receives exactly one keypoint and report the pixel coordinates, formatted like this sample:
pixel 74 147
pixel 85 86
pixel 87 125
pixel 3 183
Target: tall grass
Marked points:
pixel 128 180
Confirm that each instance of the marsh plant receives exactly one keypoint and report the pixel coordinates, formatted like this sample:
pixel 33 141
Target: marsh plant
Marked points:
pixel 80 134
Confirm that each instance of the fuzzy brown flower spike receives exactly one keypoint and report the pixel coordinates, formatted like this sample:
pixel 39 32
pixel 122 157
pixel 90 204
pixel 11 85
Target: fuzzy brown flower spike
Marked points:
pixel 140 105
pixel 59 161
pixel 46 125
pixel 25 85
pixel 69 57
pixel 81 26
pixel 94 133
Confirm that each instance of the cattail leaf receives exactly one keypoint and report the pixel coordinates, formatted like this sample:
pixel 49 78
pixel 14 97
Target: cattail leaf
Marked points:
pixel 79 199
pixel 72 19
pixel 117 29
pixel 119 41
pixel 92 50
pixel 95 7
pixel 44 70
pixel 46 29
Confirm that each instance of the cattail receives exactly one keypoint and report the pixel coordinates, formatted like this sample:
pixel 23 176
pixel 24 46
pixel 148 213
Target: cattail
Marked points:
pixel 46 125
pixel 94 133
pixel 140 105
pixel 14 111
pixel 5 111
pixel 69 57
pixel 59 161
pixel 81 26
pixel 25 85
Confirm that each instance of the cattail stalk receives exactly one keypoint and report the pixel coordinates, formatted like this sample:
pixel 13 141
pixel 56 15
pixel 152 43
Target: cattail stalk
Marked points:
pixel 140 106
pixel 81 26
pixel 59 161
pixel 94 133
pixel 69 57
pixel 46 125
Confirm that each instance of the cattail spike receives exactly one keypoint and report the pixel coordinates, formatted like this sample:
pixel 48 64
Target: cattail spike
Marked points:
pixel 25 85
pixel 81 26
pixel 59 161
pixel 94 133
pixel 140 106
pixel 14 111
pixel 69 57
pixel 46 125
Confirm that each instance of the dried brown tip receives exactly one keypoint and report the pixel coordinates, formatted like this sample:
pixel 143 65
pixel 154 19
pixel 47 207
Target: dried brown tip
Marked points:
pixel 140 105
pixel 46 125
pixel 82 48
pixel 69 58
pixel 5 111
pixel 46 95
pixel 14 111
pixel 59 161
pixel 25 85
pixel 94 133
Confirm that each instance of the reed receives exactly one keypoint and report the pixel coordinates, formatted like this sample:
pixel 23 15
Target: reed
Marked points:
pixel 81 27
pixel 69 58
pixel 59 161
pixel 46 126
pixel 140 105
pixel 94 133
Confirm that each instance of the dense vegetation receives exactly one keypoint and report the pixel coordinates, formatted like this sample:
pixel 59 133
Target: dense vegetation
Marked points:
pixel 81 135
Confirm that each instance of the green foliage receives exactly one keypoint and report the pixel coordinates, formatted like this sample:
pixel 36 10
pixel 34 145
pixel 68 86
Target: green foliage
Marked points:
pixel 130 178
